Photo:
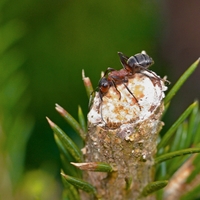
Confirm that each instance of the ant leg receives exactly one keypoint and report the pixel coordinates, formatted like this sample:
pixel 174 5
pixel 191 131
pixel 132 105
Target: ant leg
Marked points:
pixel 116 89
pixel 101 96
pixel 102 114
pixel 152 74
pixel 145 69
pixel 123 58
pixel 100 105
pixel 126 66
pixel 156 77
pixel 110 69
pixel 132 95
pixel 91 98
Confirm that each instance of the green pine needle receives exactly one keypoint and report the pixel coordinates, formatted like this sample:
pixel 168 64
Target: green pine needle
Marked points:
pixel 173 128
pixel 193 194
pixel 178 136
pixel 193 127
pixel 194 173
pixel 197 135
pixel 71 121
pixel 69 169
pixel 170 155
pixel 153 187
pixel 81 118
pixel 180 82
pixel 129 181
pixel 65 158
pixel 70 192
pixel 94 166
pixel 66 141
pixel 80 184
pixel 193 118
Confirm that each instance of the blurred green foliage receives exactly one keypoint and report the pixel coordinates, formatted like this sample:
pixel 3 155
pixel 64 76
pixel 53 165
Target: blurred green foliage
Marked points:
pixel 15 123
pixel 52 41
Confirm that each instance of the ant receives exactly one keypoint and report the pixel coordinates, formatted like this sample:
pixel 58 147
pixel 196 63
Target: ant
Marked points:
pixel 131 65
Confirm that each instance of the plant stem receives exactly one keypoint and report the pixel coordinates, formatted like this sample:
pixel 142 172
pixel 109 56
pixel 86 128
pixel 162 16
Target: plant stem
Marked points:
pixel 123 133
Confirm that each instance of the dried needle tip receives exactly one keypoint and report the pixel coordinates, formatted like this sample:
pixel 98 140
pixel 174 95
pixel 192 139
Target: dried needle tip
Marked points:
pixel 79 164
pixel 50 122
pixel 83 73
pixel 75 164
pixel 63 174
pixel 60 109
pixel 83 164
pixel 92 166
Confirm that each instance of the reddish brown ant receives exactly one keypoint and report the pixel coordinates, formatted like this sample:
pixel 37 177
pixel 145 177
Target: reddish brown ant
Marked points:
pixel 131 65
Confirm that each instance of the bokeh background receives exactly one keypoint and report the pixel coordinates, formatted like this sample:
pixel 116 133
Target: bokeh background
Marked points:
pixel 44 45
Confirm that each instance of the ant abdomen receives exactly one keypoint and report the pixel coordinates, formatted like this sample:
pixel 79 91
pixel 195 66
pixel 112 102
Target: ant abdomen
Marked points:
pixel 140 59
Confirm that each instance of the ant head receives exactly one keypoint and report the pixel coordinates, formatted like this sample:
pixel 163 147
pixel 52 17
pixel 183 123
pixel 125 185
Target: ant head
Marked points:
pixel 103 86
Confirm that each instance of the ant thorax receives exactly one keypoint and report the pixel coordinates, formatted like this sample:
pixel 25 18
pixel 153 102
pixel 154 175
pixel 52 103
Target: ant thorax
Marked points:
pixel 114 112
